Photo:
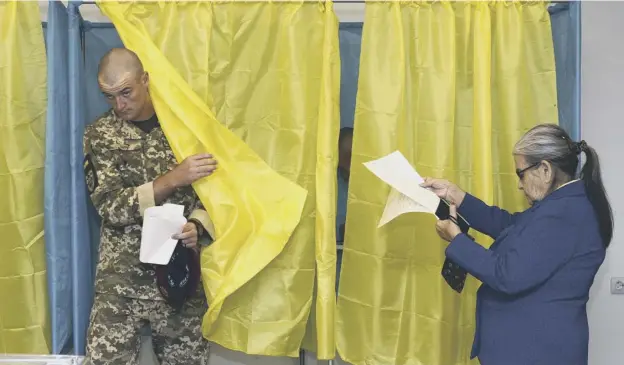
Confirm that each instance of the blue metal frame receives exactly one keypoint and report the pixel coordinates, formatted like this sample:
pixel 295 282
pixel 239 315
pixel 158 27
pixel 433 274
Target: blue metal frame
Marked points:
pixel 80 250
pixel 558 7
pixel 574 9
pixel 74 92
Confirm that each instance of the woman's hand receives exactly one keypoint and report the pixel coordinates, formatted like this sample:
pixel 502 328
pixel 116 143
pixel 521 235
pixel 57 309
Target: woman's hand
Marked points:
pixel 447 229
pixel 445 190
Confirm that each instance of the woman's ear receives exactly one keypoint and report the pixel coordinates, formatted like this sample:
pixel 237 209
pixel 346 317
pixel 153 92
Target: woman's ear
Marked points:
pixel 548 172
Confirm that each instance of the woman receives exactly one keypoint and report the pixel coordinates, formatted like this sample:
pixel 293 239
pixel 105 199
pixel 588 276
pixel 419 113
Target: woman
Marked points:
pixel 531 308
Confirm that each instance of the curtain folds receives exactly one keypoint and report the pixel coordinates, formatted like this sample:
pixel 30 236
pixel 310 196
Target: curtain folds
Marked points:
pixel 452 85
pixel 238 80
pixel 24 318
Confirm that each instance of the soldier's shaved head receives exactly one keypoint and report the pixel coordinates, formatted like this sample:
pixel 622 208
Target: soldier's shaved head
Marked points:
pixel 125 84
pixel 117 64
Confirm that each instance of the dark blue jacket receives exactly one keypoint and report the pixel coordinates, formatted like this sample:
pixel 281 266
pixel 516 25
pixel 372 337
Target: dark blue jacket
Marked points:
pixel 531 308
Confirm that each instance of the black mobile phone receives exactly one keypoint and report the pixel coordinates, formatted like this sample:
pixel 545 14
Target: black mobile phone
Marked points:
pixel 454 275
pixel 443 212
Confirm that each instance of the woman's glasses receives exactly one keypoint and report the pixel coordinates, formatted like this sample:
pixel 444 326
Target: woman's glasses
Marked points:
pixel 520 173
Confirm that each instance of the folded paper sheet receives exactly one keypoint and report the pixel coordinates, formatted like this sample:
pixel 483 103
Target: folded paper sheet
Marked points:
pixel 407 195
pixel 399 203
pixel 160 223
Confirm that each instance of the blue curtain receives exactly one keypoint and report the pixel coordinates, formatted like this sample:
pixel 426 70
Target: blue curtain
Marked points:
pixel 350 44
pixel 565 23
pixel 98 39
pixel 71 223
pixel 57 190
pixel 82 222
pixel 350 38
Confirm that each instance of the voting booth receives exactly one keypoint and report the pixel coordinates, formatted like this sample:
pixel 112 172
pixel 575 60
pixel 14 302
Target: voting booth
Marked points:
pixel 326 74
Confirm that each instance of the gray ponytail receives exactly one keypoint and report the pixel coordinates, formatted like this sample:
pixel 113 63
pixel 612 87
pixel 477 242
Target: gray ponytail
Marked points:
pixel 549 142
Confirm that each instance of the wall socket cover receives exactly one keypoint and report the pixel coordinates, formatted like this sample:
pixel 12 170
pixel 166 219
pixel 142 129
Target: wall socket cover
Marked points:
pixel 617 285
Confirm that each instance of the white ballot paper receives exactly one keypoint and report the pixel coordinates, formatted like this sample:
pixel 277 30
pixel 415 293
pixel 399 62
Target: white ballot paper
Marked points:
pixel 406 194
pixel 160 223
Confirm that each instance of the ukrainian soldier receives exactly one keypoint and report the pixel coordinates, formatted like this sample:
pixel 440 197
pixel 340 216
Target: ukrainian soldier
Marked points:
pixel 129 167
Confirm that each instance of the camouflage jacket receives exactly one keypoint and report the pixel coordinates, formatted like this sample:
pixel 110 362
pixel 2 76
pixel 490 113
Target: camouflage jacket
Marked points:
pixel 121 162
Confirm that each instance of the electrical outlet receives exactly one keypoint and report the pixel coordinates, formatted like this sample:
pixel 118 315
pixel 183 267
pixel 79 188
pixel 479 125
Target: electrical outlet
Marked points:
pixel 617 285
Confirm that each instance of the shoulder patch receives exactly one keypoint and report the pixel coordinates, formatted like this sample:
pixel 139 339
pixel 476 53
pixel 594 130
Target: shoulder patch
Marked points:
pixel 90 174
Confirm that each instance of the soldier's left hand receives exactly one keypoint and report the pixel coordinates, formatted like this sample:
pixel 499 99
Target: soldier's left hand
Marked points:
pixel 188 235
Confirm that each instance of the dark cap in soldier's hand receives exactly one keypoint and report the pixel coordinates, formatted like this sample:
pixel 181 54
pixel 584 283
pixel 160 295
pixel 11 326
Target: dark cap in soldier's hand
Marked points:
pixel 178 280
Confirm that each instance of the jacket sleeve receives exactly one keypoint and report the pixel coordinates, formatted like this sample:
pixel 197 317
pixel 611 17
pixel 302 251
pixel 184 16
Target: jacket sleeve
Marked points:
pixel 533 256
pixel 484 218
pixel 200 216
pixel 117 205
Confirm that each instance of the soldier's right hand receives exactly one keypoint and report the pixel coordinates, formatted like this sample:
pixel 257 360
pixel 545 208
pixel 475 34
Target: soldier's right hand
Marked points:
pixel 192 169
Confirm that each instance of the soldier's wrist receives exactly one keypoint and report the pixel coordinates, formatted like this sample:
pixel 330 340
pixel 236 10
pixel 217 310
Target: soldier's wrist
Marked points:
pixel 169 181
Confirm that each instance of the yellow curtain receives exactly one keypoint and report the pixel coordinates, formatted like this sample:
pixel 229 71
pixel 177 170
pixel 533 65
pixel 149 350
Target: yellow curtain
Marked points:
pixel 452 85
pixel 253 82
pixel 24 321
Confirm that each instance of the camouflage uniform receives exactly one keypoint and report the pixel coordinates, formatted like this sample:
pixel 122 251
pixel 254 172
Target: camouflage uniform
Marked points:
pixel 121 162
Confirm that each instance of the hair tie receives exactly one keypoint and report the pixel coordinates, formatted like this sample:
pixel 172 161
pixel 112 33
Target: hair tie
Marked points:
pixel 581 147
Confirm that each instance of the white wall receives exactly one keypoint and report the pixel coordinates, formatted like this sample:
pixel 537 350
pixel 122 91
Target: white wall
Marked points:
pixel 602 126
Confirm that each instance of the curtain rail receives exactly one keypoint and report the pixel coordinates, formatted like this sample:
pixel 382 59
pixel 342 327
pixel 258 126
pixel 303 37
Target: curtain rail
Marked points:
pixel 555 2
pixel 555 6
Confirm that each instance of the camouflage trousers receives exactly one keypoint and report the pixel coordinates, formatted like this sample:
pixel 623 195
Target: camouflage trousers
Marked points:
pixel 114 336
